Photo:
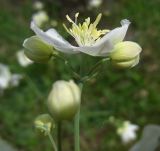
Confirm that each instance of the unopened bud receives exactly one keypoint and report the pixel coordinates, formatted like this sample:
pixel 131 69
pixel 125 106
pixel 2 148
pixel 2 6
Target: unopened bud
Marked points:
pixel 44 123
pixel 37 50
pixel 64 100
pixel 126 54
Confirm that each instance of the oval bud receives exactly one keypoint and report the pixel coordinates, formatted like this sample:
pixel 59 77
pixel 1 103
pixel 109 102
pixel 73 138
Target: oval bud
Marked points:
pixel 64 100
pixel 44 123
pixel 125 54
pixel 37 50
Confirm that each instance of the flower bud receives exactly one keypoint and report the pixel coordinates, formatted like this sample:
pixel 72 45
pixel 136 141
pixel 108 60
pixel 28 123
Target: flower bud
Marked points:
pixel 44 123
pixel 64 100
pixel 37 50
pixel 125 54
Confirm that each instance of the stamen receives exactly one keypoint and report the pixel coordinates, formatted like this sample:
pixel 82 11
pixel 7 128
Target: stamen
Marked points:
pixel 85 34
pixel 97 20
pixel 69 19
pixel 76 16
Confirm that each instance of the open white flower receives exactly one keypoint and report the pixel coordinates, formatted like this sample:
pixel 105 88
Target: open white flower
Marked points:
pixel 127 132
pixel 87 36
pixel 22 59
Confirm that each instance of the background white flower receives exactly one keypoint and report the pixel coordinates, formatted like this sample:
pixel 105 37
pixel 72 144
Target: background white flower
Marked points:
pixel 127 132
pixel 94 3
pixel 15 80
pixel 22 59
pixel 38 5
pixel 5 76
pixel 40 18
pixel 8 79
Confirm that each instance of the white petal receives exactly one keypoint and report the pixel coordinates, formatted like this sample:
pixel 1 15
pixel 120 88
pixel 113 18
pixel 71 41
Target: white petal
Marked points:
pixel 99 50
pixel 116 35
pixel 105 45
pixel 53 38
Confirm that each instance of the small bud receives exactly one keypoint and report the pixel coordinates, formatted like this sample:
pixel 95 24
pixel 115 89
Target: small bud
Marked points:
pixel 37 50
pixel 126 54
pixel 64 100
pixel 44 123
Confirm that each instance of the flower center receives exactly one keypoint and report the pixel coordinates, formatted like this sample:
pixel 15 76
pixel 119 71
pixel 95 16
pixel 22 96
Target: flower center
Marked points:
pixel 85 34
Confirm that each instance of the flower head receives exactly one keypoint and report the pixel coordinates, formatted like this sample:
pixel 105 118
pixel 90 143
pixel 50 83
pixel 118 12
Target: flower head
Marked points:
pixel 44 123
pixel 87 36
pixel 127 131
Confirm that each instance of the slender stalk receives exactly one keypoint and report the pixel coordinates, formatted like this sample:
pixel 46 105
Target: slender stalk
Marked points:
pixel 97 65
pixel 69 66
pixel 59 132
pixel 53 142
pixel 77 127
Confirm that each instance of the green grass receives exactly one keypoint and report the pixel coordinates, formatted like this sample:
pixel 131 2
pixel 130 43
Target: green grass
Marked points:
pixel 127 95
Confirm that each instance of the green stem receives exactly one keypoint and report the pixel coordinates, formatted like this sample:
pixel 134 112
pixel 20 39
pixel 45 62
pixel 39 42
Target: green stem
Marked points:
pixel 59 132
pixel 97 65
pixel 68 65
pixel 53 142
pixel 77 127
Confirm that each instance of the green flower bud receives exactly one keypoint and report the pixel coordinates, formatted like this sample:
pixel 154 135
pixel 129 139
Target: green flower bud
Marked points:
pixel 37 50
pixel 44 123
pixel 125 54
pixel 64 100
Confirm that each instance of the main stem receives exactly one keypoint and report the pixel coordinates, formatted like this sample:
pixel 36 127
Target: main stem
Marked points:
pixel 77 127
pixel 59 131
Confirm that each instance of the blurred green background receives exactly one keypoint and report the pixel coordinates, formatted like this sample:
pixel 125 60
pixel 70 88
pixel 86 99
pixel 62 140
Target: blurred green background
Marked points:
pixel 124 94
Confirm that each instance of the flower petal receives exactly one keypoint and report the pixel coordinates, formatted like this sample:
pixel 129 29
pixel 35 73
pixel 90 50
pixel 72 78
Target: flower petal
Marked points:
pixel 53 38
pixel 104 46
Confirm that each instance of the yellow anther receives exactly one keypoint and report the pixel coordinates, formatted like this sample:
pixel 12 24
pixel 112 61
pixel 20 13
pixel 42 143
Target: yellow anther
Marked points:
pixel 69 19
pixel 76 15
pixel 85 34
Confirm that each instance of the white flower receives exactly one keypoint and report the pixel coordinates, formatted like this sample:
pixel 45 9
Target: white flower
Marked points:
pixel 94 3
pixel 86 35
pixel 8 79
pixel 22 59
pixel 127 132
pixel 40 18
pixel 38 5
pixel 5 76
pixel 15 80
